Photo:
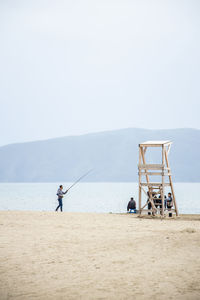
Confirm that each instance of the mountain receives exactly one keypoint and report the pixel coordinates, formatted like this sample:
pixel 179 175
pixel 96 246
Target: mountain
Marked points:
pixel 112 155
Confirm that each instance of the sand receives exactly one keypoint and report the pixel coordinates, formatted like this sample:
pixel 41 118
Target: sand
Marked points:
pixel 48 255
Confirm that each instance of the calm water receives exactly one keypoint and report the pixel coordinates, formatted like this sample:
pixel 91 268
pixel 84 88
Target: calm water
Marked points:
pixel 88 197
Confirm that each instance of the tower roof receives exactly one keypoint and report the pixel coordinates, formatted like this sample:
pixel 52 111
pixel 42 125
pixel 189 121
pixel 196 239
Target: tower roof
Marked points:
pixel 155 143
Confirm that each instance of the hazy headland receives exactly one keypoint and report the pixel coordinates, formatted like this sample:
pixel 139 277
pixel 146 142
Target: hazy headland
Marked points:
pixel 113 155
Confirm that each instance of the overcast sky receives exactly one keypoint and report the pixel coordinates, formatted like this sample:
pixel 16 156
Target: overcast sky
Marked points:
pixel 73 67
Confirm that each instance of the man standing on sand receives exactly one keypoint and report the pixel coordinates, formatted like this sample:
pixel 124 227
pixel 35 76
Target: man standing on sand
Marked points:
pixel 169 201
pixel 60 195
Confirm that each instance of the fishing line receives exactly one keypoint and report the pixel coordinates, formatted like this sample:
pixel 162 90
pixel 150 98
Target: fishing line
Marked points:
pixel 79 179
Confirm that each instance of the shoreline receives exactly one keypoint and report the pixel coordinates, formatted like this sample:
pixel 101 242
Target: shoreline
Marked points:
pixel 145 216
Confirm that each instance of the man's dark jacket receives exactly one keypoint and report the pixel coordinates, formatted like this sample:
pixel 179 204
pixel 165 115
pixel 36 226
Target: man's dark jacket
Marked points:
pixel 131 205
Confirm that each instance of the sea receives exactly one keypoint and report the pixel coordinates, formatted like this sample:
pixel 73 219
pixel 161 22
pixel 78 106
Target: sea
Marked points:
pixel 89 197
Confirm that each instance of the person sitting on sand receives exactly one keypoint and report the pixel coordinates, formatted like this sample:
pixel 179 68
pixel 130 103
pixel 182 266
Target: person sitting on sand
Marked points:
pixel 60 195
pixel 160 202
pixel 131 204
pixel 149 203
pixel 155 200
pixel 165 201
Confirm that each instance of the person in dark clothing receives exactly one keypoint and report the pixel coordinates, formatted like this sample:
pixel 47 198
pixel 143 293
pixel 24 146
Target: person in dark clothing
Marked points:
pixel 169 201
pixel 160 201
pixel 131 204
pixel 165 202
pixel 155 200
pixel 149 203
pixel 60 195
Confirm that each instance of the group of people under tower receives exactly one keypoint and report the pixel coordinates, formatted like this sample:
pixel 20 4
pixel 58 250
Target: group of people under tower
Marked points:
pixel 168 201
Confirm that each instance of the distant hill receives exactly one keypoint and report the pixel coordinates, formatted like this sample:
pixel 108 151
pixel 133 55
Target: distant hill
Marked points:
pixel 113 155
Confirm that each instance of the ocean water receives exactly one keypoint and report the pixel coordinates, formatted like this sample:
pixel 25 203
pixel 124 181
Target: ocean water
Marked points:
pixel 88 197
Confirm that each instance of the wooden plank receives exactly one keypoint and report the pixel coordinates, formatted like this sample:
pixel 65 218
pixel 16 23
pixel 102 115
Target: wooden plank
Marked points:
pixel 151 173
pixel 143 159
pixel 151 166
pixel 156 193
pixel 168 150
pixel 158 210
pixel 144 206
pixel 150 145
pixel 155 173
pixel 154 184
pixel 154 143
pixel 144 191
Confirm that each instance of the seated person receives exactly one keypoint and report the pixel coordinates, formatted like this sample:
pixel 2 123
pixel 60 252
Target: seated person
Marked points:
pixel 160 201
pixel 169 201
pixel 155 200
pixel 149 204
pixel 165 201
pixel 131 204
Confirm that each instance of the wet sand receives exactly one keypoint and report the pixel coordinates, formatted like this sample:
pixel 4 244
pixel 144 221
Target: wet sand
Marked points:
pixel 48 255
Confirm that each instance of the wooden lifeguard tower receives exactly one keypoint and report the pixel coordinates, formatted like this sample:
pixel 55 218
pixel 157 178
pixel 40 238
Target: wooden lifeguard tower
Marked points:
pixel 151 188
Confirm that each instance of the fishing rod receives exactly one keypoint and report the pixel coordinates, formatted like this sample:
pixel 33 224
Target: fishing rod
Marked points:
pixel 79 179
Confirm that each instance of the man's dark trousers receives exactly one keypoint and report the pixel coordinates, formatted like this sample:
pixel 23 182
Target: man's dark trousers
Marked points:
pixel 60 204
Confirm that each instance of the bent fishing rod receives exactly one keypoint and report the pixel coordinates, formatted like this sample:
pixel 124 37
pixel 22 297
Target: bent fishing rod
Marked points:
pixel 84 175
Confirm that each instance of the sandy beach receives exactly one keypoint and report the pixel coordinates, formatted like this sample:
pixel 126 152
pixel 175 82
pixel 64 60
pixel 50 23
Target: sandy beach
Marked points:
pixel 48 255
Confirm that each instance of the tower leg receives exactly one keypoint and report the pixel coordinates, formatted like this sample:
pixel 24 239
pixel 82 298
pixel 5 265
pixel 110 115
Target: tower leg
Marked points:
pixel 163 181
pixel 171 184
pixel 140 190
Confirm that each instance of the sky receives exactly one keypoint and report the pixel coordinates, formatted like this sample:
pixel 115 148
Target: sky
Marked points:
pixel 75 67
